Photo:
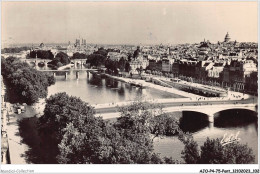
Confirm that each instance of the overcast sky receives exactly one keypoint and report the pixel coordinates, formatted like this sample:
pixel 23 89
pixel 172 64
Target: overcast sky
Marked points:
pixel 128 22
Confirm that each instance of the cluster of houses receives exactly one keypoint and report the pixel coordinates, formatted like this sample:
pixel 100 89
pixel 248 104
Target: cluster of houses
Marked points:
pixel 228 64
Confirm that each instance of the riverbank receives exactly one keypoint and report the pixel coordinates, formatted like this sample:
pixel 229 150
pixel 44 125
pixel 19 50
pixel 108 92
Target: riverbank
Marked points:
pixel 188 96
pixel 151 85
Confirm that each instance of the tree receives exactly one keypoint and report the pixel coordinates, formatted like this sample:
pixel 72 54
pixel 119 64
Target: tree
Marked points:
pixel 78 55
pixel 137 52
pixel 127 67
pixel 63 57
pixel 43 54
pixel 102 52
pixel 122 64
pixel 130 140
pixel 82 138
pixel 14 49
pixel 33 54
pixel 213 152
pixel 60 59
pixel 190 154
pixel 62 115
pixel 96 60
pixel 26 85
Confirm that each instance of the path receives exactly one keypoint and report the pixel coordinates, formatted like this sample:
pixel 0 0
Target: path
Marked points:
pixel 17 148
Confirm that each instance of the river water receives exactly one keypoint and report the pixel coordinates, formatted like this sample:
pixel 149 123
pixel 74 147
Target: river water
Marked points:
pixel 97 91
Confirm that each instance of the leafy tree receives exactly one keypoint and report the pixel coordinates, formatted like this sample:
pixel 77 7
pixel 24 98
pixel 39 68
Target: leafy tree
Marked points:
pixel 137 52
pixel 102 52
pixel 63 114
pixel 82 138
pixel 127 67
pixel 78 55
pixel 14 49
pixel 60 59
pixel 213 152
pixel 190 154
pixel 122 64
pixel 63 57
pixel 26 85
pixel 129 57
pixel 43 54
pixel 96 60
pixel 32 54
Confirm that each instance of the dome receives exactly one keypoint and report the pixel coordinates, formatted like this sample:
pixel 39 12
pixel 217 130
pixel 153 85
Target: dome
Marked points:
pixel 227 37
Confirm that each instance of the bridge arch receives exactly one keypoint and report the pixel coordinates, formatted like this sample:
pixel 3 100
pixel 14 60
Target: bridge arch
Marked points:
pixel 235 117
pixel 193 121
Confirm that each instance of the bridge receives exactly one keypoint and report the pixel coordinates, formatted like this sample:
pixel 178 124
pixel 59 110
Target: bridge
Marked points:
pixel 209 107
pixel 33 60
pixel 66 71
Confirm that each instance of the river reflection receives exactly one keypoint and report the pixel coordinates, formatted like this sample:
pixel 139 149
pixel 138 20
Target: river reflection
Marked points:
pixel 172 147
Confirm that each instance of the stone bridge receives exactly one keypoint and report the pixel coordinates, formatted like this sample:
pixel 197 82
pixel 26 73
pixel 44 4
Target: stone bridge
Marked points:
pixel 209 110
pixel 45 61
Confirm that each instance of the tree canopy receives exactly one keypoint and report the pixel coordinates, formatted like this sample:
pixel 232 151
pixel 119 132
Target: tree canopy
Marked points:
pixel 14 49
pixel 26 84
pixel 60 59
pixel 41 54
pixel 83 138
pixel 78 55
pixel 213 152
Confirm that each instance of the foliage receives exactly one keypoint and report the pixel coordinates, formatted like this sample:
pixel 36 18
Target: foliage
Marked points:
pixel 122 64
pixel 102 52
pixel 96 60
pixel 41 54
pixel 63 58
pixel 83 138
pixel 14 49
pixel 60 59
pixel 127 67
pixel 165 124
pixel 61 109
pixel 212 152
pixel 26 84
pixel 78 55
pixel 115 66
pixel 190 152
pixel 137 52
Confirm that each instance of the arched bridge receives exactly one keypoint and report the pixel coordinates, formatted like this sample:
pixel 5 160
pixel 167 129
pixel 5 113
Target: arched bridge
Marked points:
pixel 210 108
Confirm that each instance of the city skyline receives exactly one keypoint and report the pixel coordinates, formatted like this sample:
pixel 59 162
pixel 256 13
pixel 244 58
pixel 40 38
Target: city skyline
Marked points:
pixel 128 22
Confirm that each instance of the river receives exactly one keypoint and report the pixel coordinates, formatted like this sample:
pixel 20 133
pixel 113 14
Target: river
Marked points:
pixel 97 91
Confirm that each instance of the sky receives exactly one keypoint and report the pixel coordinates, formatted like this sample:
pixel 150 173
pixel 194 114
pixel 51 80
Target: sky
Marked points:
pixel 128 22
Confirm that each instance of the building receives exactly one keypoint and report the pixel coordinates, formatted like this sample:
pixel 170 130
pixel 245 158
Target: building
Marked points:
pixel 167 65
pixel 215 71
pixel 238 75
pixel 227 38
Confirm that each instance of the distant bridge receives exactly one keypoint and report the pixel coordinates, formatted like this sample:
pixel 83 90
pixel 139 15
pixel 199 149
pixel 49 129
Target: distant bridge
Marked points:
pixel 68 70
pixel 65 71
